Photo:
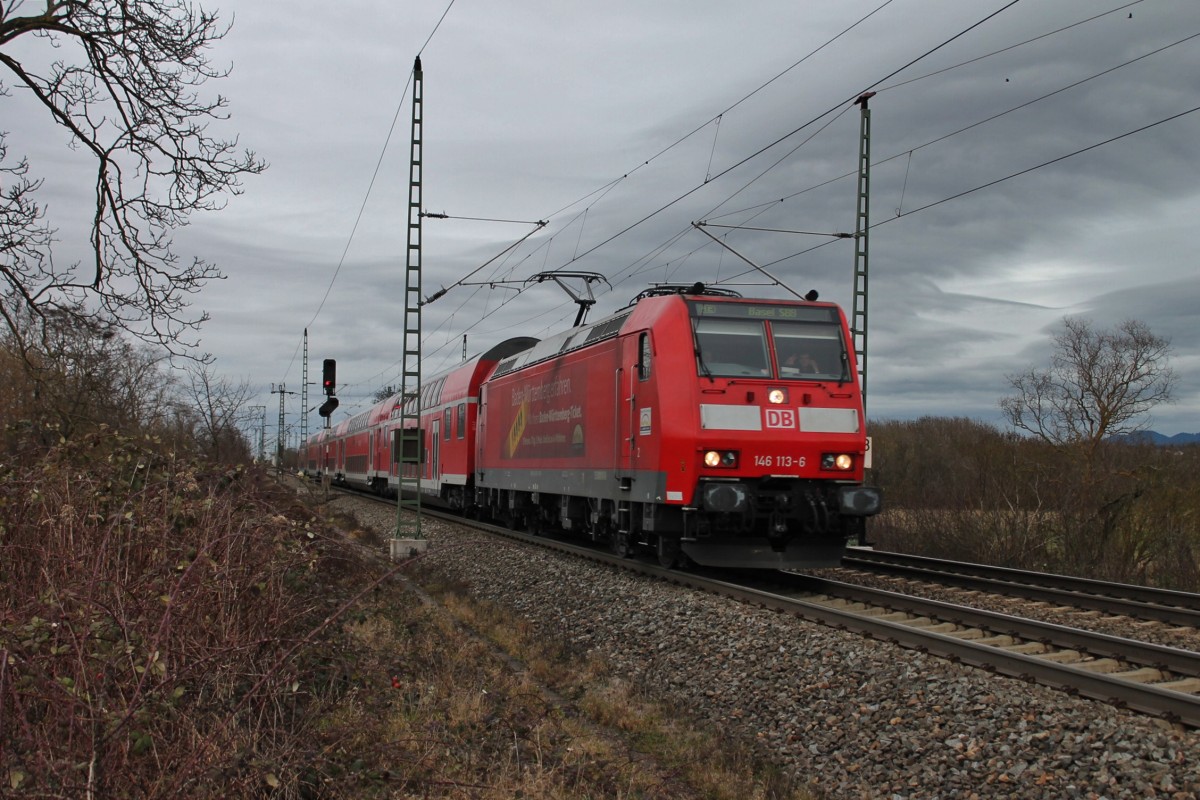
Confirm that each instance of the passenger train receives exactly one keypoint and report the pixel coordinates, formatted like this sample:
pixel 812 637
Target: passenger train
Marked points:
pixel 696 424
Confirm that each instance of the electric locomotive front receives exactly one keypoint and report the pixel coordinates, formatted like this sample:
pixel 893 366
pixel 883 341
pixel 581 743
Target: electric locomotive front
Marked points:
pixel 693 424
pixel 775 433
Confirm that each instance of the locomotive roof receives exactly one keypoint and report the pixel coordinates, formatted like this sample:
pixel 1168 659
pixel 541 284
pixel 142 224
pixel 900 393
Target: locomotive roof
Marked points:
pixel 568 340
pixel 610 326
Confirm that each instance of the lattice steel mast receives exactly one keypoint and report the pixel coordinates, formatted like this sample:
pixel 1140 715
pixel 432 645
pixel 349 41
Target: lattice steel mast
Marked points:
pixel 304 395
pixel 408 446
pixel 862 227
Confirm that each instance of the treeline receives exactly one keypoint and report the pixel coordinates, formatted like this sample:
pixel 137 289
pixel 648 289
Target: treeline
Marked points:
pixel 65 376
pixel 961 489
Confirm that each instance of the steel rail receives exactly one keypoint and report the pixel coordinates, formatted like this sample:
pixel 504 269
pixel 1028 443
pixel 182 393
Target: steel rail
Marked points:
pixel 1162 657
pixel 1148 699
pixel 1173 706
pixel 1141 602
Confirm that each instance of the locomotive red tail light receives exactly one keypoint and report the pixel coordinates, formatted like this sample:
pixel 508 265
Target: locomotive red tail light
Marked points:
pixel 840 462
pixel 725 459
pixel 777 396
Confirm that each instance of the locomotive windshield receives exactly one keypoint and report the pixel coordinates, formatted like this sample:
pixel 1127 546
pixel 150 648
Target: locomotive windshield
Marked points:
pixel 738 340
pixel 810 351
pixel 731 347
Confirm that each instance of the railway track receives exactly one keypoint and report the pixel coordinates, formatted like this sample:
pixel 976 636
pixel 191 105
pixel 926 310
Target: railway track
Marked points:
pixel 1139 602
pixel 1151 679
pixel 1136 673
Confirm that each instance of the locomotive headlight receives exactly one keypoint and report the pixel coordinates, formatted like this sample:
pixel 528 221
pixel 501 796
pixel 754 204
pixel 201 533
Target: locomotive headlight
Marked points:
pixel 721 458
pixel 725 498
pixel 777 396
pixel 837 461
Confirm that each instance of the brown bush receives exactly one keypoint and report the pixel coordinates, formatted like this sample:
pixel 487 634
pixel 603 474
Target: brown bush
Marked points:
pixel 152 625
pixel 961 489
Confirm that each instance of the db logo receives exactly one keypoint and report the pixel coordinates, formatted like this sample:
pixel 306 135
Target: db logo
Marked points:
pixel 780 417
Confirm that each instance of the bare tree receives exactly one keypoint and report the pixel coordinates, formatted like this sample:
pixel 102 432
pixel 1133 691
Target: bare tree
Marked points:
pixel 383 393
pixel 220 407
pixel 71 372
pixel 1100 383
pixel 123 78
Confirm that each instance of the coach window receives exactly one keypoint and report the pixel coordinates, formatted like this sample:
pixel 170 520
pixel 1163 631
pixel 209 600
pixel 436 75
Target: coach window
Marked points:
pixel 462 420
pixel 644 357
pixel 446 425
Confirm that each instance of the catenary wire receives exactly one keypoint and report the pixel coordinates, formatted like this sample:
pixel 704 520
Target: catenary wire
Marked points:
pixel 787 136
pixel 370 185
pixel 610 185
pixel 989 184
pixel 965 128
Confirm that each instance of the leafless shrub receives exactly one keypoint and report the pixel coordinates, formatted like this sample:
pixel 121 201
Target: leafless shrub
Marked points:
pixel 961 489
pixel 171 629
pixel 66 376
pixel 154 625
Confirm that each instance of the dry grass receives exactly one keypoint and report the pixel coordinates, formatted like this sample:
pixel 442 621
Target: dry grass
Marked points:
pixel 173 630
pixel 638 746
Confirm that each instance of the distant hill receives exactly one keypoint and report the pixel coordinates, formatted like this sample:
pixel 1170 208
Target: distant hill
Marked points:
pixel 1154 437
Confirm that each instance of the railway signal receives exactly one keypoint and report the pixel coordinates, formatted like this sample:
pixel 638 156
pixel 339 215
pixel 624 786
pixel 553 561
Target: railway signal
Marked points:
pixel 328 378
pixel 328 383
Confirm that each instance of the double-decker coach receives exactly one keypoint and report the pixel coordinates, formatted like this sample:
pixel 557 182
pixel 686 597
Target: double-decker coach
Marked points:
pixel 449 412
pixel 363 450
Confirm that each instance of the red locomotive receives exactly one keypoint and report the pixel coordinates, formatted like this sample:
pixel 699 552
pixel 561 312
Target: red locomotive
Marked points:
pixel 704 426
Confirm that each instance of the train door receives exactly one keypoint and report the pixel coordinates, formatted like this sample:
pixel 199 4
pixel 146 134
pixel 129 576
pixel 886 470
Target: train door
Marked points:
pixel 622 428
pixel 625 423
pixel 480 427
pixel 631 413
pixel 646 417
pixel 435 449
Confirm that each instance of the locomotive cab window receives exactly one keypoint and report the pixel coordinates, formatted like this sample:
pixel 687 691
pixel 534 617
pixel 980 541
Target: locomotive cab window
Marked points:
pixel 461 413
pixel 731 347
pixel 810 351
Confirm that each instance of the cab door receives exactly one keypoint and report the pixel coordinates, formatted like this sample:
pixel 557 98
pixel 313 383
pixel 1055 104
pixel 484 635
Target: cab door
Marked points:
pixel 635 412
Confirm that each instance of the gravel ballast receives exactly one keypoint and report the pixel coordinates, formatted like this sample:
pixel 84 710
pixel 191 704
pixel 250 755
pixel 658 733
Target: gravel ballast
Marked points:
pixel 855 717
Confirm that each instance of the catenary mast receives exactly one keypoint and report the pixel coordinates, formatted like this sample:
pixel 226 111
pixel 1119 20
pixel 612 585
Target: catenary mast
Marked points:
pixel 408 446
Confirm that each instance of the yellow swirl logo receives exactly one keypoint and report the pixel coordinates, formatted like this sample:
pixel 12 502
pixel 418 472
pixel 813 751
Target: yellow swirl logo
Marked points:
pixel 517 430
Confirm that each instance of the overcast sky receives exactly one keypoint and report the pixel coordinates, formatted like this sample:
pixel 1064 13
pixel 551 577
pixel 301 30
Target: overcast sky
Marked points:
pixel 594 116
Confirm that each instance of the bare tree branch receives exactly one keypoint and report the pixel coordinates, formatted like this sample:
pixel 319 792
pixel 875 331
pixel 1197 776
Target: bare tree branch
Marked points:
pixel 125 82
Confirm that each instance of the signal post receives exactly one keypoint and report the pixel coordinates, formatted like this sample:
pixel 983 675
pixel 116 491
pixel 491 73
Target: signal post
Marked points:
pixel 329 386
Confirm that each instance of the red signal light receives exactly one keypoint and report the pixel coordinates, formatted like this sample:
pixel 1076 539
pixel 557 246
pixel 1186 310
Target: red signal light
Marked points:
pixel 328 376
